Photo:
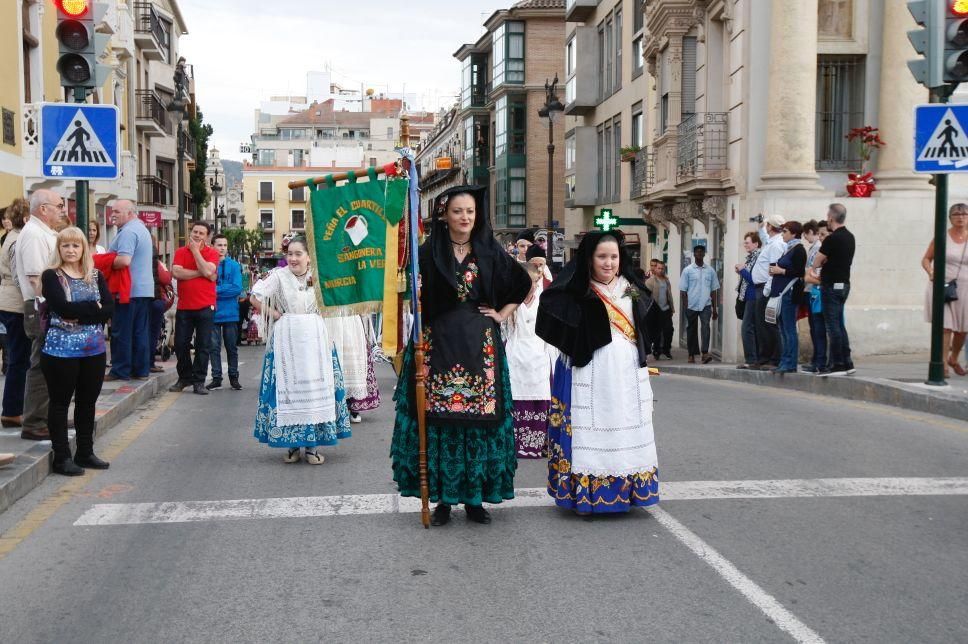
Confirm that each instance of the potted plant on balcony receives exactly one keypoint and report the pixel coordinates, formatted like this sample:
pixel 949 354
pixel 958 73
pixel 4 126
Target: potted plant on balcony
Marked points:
pixel 868 139
pixel 628 153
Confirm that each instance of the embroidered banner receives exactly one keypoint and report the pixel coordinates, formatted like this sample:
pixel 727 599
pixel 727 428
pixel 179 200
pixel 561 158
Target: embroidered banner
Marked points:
pixel 347 232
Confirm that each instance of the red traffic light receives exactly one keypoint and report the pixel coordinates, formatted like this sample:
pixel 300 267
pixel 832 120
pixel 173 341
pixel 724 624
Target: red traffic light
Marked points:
pixel 73 8
pixel 958 7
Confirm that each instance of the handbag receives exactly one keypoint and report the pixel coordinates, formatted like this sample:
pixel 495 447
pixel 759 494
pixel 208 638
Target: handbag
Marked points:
pixel 740 308
pixel 773 305
pixel 951 288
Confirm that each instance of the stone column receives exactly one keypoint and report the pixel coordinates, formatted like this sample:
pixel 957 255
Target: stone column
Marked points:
pixel 899 94
pixel 792 109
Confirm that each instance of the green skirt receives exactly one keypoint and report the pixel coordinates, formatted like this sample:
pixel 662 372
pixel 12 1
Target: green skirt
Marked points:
pixel 470 465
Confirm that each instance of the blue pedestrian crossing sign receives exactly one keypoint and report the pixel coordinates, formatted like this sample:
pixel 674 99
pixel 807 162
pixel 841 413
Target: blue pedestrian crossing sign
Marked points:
pixel 940 138
pixel 79 141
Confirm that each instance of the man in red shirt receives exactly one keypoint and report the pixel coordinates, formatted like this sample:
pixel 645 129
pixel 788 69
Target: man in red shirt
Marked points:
pixel 194 267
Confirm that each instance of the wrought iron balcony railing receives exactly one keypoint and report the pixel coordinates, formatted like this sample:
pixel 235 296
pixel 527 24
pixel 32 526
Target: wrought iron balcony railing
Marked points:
pixel 702 146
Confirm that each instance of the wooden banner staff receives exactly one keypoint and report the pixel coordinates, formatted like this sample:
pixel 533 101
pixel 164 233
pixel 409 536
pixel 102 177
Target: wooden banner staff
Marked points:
pixel 391 169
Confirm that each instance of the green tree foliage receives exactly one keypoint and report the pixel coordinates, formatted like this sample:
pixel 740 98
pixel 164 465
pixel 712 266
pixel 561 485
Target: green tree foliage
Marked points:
pixel 200 131
pixel 243 242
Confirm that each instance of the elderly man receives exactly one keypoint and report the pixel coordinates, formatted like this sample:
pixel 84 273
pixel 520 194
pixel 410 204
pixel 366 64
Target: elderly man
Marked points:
pixel 35 249
pixel 130 346
pixel 835 257
pixel 767 335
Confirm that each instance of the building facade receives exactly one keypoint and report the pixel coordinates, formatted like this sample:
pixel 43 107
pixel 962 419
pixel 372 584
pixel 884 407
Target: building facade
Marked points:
pixel 743 110
pixel 141 56
pixel 503 78
pixel 440 159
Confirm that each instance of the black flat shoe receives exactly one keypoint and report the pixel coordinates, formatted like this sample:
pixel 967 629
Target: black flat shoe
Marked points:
pixel 477 514
pixel 441 515
pixel 91 462
pixel 67 467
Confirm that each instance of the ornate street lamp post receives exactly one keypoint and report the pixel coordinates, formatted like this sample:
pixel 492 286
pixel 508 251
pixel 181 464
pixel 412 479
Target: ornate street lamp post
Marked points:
pixel 551 111
pixel 178 105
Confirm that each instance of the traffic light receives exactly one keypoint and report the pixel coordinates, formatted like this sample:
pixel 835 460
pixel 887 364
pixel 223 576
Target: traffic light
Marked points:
pixel 928 41
pixel 79 44
pixel 956 41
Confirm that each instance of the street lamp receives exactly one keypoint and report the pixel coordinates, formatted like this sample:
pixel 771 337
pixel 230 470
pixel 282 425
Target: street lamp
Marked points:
pixel 220 220
pixel 216 189
pixel 178 105
pixel 551 111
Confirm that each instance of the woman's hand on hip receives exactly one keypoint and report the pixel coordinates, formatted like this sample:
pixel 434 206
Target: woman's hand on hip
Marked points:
pixel 491 313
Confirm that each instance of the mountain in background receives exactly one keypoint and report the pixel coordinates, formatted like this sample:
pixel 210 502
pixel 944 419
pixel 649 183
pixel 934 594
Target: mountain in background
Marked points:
pixel 233 172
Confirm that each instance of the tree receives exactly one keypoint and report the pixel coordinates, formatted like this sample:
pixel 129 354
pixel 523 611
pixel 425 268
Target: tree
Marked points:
pixel 201 132
pixel 243 242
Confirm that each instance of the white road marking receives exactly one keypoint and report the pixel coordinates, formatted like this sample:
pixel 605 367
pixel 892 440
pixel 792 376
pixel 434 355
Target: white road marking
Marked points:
pixel 359 504
pixel 784 619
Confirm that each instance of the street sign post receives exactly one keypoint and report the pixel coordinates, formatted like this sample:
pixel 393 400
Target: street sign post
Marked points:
pixel 79 141
pixel 940 148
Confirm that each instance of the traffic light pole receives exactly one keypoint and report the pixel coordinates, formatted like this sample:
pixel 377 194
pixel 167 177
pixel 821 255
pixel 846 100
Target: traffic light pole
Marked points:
pixel 80 186
pixel 936 365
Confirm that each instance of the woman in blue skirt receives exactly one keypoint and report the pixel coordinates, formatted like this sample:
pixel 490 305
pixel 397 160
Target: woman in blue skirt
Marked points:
pixel 602 455
pixel 302 403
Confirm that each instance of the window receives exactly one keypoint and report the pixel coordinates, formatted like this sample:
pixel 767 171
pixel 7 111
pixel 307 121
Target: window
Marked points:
pixel 638 15
pixel 600 151
pixel 297 194
pixel 288 134
pixel 507 49
pixel 298 158
pixel 266 242
pixel 265 158
pixel 30 43
pixel 617 40
pixel 517 197
pixel 637 61
pixel 616 158
pixel 372 162
pixel 840 107
pixel 570 155
pixel 608 51
pixel 390 136
pixel 501 126
pixel 266 193
pixel 465 83
pixel 609 160
pixel 298 219
pixel 638 125
pixel 688 75
pixel 265 219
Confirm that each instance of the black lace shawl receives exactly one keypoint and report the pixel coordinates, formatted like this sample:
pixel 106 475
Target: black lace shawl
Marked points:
pixel 503 281
pixel 574 320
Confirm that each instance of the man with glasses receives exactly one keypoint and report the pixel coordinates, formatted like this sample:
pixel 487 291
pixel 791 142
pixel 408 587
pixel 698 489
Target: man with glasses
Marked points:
pixel 35 249
pixel 835 257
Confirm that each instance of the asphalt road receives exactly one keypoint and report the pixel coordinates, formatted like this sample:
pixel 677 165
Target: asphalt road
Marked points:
pixel 758 568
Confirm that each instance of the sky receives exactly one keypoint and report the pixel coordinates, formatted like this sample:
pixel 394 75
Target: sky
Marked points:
pixel 244 51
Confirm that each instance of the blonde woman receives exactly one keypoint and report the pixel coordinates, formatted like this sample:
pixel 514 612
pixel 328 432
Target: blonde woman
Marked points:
pixel 72 360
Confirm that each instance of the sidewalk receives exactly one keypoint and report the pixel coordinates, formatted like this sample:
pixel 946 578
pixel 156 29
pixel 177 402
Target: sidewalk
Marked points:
pixel 897 381
pixel 117 400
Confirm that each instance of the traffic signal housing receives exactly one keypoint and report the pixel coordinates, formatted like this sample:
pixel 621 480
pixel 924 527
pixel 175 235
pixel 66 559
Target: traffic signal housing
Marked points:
pixel 956 41
pixel 79 44
pixel 929 41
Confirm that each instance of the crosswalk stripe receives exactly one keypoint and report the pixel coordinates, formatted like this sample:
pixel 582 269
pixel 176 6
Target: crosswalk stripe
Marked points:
pixel 105 514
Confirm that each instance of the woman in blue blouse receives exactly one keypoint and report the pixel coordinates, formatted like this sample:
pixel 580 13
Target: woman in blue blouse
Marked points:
pixel 73 359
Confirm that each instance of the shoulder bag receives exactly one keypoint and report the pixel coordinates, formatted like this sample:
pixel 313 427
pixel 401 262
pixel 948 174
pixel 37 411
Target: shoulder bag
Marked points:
pixel 951 288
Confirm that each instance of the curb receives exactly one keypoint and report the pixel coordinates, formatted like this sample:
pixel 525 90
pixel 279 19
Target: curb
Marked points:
pixel 32 466
pixel 880 391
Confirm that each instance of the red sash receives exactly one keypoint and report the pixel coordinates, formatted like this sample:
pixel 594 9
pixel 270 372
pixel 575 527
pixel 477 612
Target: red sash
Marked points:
pixel 617 317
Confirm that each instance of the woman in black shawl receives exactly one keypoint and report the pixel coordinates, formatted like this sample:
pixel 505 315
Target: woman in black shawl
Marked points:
pixel 469 285
pixel 602 454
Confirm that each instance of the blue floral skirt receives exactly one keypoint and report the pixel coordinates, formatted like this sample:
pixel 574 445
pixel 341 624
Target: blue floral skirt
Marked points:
pixel 293 436
pixel 584 493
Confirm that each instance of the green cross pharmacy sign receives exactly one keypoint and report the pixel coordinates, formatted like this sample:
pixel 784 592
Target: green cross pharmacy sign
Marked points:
pixel 605 220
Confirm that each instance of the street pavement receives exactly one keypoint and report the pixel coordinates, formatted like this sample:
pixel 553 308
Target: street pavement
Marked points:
pixel 177 543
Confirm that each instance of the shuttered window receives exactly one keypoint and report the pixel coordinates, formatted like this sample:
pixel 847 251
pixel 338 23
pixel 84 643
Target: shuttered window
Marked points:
pixel 265 191
pixel 689 75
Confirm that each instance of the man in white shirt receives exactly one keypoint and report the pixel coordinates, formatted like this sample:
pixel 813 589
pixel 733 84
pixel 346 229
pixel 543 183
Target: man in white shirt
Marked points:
pixel 767 335
pixel 35 250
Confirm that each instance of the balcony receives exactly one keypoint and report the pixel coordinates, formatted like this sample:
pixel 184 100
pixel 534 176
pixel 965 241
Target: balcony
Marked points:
pixel 703 139
pixel 122 24
pixel 579 10
pixel 150 32
pixel 188 141
pixel 643 173
pixel 153 191
pixel 188 205
pixel 151 117
pixel 582 85
pixel 585 173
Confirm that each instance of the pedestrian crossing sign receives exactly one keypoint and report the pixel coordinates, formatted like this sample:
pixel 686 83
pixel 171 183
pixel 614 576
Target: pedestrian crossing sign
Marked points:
pixel 940 138
pixel 79 141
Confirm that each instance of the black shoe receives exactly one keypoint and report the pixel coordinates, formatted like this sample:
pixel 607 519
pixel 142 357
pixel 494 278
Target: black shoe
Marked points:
pixel 179 385
pixel 235 383
pixel 67 467
pixel 477 514
pixel 199 389
pixel 91 462
pixel 667 355
pixel 215 384
pixel 441 515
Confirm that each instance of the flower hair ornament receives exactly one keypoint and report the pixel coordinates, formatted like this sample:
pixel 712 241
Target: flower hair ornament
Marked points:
pixel 442 204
